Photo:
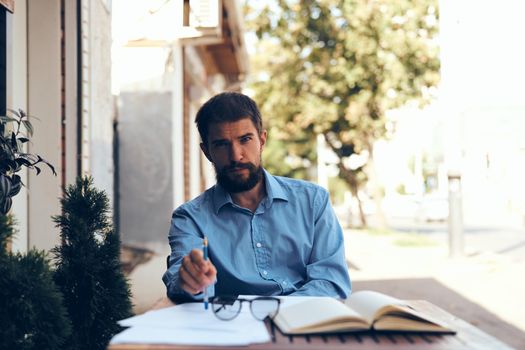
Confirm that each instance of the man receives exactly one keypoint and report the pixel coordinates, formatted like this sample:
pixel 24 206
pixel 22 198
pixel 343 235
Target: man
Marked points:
pixel 267 235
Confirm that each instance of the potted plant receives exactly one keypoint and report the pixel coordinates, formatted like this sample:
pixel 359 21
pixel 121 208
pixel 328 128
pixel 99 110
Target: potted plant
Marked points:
pixel 15 131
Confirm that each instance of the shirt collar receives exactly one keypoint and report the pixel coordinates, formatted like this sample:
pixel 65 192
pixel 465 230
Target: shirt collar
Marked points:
pixel 274 190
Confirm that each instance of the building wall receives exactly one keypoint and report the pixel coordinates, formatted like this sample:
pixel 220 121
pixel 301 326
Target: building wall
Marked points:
pixel 70 93
pixel 44 101
pixel 101 165
pixel 42 79
pixel 145 155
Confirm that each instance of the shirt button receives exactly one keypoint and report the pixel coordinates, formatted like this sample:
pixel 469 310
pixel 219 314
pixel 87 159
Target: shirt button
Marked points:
pixel 259 245
pixel 265 272
pixel 284 283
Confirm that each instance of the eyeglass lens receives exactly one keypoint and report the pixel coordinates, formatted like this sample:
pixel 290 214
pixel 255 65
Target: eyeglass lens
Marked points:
pixel 226 308
pixel 261 308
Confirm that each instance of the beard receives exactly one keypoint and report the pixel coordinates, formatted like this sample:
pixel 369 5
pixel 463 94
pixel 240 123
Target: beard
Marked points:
pixel 235 183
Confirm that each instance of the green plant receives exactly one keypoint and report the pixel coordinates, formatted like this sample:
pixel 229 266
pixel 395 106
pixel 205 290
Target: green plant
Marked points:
pixel 32 316
pixel 13 157
pixel 96 293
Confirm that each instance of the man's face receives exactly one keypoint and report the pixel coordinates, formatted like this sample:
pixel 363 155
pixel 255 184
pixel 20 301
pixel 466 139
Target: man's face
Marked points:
pixel 235 150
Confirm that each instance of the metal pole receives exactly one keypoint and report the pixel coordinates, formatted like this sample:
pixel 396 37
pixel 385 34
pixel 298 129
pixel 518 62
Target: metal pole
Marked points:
pixel 455 215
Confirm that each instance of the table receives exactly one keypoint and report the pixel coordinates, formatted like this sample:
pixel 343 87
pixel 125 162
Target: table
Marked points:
pixel 467 337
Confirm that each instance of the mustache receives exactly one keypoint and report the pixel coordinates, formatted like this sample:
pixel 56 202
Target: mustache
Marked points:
pixel 239 165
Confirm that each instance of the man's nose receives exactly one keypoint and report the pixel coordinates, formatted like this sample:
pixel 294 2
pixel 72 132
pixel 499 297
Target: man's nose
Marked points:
pixel 236 153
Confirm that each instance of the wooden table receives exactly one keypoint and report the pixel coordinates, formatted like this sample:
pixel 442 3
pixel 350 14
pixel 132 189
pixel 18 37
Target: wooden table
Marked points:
pixel 467 337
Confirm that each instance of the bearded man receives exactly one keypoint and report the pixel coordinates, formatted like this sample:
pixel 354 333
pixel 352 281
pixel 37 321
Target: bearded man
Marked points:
pixel 268 235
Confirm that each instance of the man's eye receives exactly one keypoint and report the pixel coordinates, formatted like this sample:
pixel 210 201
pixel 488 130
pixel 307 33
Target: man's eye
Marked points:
pixel 246 139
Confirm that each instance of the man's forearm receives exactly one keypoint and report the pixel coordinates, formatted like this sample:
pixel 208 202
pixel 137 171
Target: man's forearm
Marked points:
pixel 321 288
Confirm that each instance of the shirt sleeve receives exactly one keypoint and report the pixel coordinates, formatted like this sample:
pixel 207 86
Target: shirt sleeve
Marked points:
pixel 327 272
pixel 184 235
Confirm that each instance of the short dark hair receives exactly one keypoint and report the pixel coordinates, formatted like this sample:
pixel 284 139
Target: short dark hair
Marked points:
pixel 227 107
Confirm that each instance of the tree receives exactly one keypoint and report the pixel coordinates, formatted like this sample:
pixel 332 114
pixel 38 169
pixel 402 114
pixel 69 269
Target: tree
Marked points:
pixel 334 67
pixel 96 293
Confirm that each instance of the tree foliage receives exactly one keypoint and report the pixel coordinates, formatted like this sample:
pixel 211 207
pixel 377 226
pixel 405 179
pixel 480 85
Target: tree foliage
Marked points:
pixel 96 293
pixel 334 67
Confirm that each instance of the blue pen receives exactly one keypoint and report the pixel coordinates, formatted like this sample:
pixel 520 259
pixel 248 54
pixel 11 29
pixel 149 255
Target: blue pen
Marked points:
pixel 205 253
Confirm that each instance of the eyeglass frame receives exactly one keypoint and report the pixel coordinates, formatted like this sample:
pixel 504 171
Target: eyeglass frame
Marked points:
pixel 241 301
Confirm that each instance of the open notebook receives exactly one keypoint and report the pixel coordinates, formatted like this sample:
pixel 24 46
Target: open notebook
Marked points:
pixel 363 310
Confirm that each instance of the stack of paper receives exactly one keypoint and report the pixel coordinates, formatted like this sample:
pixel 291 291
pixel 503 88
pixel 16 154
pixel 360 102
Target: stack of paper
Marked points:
pixel 190 324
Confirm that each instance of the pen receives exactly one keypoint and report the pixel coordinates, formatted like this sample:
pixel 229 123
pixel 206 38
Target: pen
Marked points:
pixel 205 253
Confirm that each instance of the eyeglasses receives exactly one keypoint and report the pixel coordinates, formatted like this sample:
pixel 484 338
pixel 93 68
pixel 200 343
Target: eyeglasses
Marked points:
pixel 228 307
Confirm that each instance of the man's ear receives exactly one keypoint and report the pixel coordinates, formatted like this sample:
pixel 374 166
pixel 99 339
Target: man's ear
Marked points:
pixel 204 150
pixel 263 137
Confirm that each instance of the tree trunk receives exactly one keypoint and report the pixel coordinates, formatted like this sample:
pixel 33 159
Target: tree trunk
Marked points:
pixel 349 177
pixel 362 216
pixel 376 189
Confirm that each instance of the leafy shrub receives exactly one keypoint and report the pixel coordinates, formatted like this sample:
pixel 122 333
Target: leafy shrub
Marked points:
pixel 32 316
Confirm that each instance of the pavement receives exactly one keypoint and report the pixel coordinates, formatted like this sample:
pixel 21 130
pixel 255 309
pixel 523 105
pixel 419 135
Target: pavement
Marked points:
pixel 485 286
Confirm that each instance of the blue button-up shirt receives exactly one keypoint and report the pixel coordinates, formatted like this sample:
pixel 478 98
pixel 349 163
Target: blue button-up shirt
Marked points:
pixel 291 245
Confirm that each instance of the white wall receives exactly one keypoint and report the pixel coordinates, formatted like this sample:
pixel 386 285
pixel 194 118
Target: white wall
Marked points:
pixel 44 101
pixel 101 99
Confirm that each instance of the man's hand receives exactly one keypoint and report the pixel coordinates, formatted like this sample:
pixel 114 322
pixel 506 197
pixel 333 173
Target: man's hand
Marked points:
pixel 196 273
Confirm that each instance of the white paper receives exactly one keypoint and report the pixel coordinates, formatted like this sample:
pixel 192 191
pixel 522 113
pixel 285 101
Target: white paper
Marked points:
pixel 148 335
pixel 190 324
pixel 190 315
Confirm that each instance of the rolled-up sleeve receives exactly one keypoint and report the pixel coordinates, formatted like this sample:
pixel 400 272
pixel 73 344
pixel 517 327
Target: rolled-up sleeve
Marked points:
pixel 327 272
